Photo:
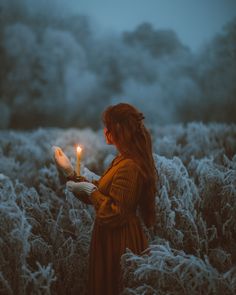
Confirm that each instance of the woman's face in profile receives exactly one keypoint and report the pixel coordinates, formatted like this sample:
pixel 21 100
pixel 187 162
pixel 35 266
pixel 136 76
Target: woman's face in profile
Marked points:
pixel 107 135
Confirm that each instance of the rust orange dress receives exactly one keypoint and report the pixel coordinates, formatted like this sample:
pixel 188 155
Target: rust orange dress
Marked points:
pixel 116 226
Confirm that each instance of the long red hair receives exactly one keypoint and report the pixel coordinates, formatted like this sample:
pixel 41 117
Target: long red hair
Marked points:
pixel 133 140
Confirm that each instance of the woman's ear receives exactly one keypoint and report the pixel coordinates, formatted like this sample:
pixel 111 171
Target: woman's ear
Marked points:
pixel 108 136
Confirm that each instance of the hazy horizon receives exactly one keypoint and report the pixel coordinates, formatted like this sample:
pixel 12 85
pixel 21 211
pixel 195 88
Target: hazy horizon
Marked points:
pixel 195 22
pixel 60 68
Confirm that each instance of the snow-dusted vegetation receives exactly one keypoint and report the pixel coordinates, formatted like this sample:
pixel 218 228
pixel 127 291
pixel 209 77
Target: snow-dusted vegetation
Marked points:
pixel 45 231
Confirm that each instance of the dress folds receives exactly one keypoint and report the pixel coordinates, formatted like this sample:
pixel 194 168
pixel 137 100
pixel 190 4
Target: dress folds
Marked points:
pixel 116 226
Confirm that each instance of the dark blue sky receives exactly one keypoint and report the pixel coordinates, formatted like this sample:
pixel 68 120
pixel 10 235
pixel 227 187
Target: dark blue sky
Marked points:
pixel 195 21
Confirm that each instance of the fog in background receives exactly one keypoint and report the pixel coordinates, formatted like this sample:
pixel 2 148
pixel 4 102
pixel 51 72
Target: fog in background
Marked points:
pixel 59 69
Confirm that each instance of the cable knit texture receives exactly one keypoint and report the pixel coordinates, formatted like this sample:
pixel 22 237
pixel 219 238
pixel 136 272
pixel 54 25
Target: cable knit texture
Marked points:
pixel 116 226
pixel 81 187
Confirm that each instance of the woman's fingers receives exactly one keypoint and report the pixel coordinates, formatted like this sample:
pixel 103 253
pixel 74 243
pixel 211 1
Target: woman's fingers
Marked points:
pixel 58 152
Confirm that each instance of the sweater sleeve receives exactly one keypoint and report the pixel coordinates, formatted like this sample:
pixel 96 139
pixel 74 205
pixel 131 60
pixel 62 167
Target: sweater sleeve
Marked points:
pixel 114 209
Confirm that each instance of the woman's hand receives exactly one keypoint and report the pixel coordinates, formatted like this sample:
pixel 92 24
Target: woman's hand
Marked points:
pixel 81 187
pixel 62 161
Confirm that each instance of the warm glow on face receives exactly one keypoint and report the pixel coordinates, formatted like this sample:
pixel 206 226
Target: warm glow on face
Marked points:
pixel 79 149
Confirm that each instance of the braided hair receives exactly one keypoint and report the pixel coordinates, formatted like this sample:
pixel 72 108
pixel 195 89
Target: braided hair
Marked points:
pixel 125 123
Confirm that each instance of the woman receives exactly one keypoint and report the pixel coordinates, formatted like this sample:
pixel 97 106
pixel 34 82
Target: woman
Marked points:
pixel 128 185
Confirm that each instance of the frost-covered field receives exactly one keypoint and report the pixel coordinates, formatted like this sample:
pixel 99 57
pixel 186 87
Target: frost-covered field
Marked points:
pixel 45 230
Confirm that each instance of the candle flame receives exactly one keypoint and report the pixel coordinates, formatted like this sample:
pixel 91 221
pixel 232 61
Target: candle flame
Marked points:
pixel 79 149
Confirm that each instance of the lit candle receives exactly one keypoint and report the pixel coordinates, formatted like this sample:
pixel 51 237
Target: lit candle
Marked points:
pixel 79 150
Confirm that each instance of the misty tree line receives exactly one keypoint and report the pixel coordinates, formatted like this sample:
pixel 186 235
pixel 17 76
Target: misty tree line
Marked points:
pixel 57 63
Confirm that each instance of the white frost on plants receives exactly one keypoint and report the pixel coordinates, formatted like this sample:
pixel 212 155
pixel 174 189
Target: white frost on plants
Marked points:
pixel 45 231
